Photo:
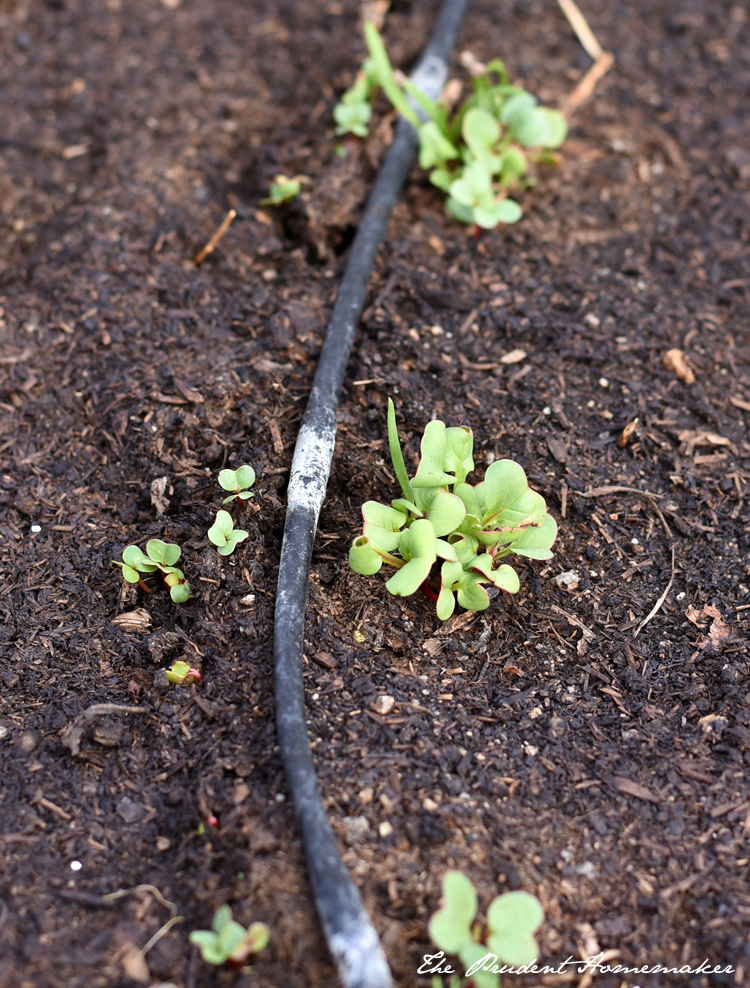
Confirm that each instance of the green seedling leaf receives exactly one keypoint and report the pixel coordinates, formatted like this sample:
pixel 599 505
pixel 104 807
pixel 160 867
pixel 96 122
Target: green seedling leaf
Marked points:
pixel 245 476
pixel 162 553
pixel 434 147
pixel 137 560
pixel 362 557
pixel 134 562
pixel 222 916
pixel 383 73
pixel 180 592
pixel 515 106
pixel 472 596
pixel 481 132
pixel 450 926
pixel 465 547
pixel 533 127
pixel 488 215
pixel 229 939
pixel 284 188
pixel 534 542
pixel 446 513
pixel 352 118
pixel 441 178
pixel 181 674
pixel 464 214
pixel 430 471
pixel 472 953
pixel 512 920
pixel 224 535
pixel 459 457
pixel 397 457
pixel 382 524
pixel 504 483
pixel 514 164
pixel 468 495
pixel 450 574
pixel 420 544
pixel 256 938
pixel 472 186
pixel 237 481
pixel 403 505
pixel 504 577
pixel 529 510
pixel 206 942
pixel 558 128
pixel 446 551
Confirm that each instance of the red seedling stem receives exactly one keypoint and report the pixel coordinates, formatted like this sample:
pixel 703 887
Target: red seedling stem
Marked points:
pixel 429 592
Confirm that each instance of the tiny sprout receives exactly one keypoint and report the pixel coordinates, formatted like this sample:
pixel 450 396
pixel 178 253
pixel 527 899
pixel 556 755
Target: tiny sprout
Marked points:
pixel 228 941
pixel 159 556
pixel 181 674
pixel 284 188
pixel 512 920
pixel 237 481
pixel 224 535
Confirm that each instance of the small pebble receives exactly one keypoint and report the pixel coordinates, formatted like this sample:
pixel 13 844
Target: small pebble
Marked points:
pixel 75 866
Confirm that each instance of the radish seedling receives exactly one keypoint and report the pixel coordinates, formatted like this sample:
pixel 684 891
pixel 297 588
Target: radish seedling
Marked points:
pixel 512 920
pixel 181 674
pixel 237 481
pixel 159 556
pixel 470 528
pixel 224 535
pixel 478 154
pixel 284 188
pixel 229 942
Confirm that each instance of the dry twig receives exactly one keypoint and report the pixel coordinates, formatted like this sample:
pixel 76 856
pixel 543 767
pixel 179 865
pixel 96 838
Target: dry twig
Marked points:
pixel 654 610
pixel 603 60
pixel 213 243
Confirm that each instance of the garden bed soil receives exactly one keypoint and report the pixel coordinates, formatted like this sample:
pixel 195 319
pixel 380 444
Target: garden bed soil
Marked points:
pixel 548 743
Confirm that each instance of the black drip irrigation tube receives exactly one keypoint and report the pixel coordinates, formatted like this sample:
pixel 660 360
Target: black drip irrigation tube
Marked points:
pixel 351 936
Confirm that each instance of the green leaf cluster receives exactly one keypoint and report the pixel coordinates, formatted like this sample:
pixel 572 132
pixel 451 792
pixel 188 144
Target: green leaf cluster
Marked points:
pixel 237 481
pixel 284 188
pixel 160 556
pixel 512 920
pixel 181 674
pixel 478 154
pixel 469 528
pixel 229 940
pixel 223 534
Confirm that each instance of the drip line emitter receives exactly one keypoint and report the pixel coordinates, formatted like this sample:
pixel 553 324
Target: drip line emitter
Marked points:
pixel 350 934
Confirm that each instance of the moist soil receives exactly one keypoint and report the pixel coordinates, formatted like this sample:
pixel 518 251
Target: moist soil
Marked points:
pixel 568 741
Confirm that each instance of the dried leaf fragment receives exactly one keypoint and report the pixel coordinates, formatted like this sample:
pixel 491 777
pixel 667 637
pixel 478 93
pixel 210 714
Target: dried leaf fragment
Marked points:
pixel 677 363
pixel 137 620
pixel 626 434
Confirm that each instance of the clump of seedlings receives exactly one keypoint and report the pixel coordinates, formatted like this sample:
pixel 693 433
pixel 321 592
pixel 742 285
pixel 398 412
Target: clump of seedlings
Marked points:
pixel 228 942
pixel 477 154
pixel 159 556
pixel 506 939
pixel 470 528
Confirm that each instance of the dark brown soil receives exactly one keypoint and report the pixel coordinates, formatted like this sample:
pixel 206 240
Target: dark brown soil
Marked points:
pixel 540 745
